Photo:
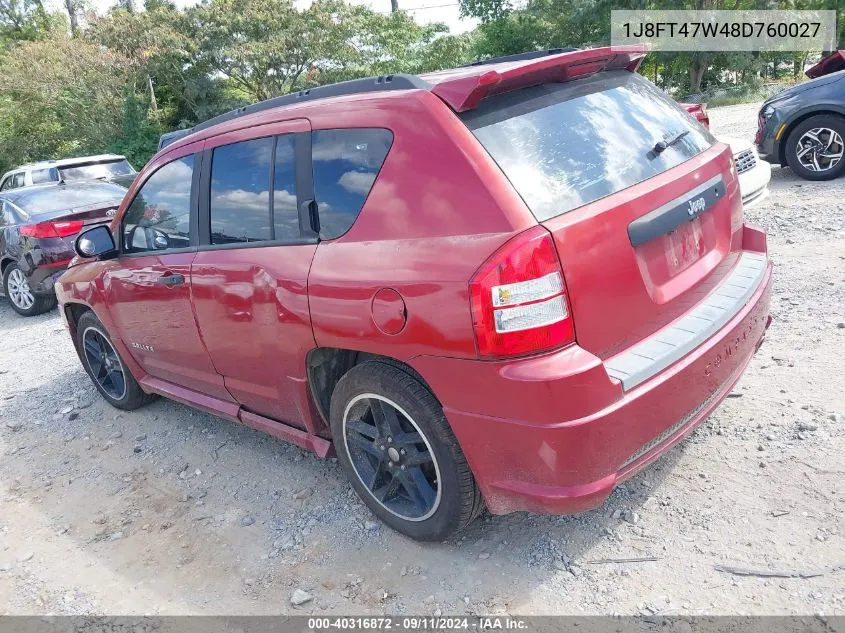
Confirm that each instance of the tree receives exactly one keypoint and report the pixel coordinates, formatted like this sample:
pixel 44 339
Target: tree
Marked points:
pixel 138 139
pixel 22 20
pixel 71 8
pixel 60 97
pixel 268 48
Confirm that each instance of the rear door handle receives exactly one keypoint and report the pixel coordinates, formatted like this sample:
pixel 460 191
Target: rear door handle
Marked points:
pixel 172 279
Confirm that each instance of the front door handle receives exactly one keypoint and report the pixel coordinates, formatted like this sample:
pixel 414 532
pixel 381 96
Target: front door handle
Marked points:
pixel 172 279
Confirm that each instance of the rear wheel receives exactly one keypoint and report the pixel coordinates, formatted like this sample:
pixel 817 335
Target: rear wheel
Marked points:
pixel 400 454
pixel 21 297
pixel 815 149
pixel 105 367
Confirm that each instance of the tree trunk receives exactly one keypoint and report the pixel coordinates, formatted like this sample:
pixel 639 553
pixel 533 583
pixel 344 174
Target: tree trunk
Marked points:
pixel 74 22
pixel 394 6
pixel 696 74
pixel 153 102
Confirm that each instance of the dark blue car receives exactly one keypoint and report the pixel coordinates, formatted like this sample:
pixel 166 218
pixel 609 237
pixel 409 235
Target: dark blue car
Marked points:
pixel 804 126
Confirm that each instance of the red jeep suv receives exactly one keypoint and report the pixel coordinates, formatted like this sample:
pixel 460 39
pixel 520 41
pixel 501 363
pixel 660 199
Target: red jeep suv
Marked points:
pixel 510 285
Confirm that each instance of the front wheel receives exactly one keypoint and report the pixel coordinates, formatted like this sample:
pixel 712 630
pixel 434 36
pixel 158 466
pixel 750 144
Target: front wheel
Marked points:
pixel 105 367
pixel 397 449
pixel 20 295
pixel 815 148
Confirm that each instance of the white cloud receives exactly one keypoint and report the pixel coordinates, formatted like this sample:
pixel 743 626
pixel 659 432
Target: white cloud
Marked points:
pixel 240 199
pixel 357 181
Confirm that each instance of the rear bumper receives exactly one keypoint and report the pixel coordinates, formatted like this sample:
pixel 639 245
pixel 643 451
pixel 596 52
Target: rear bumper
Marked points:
pixel 555 434
pixel 44 261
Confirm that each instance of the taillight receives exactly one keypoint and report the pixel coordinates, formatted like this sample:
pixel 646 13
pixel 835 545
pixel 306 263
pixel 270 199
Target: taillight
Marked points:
pixel 61 228
pixel 518 299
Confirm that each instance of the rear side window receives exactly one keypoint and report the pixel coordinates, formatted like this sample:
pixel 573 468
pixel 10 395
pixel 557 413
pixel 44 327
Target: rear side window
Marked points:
pixel 43 175
pixel 567 144
pixel 346 163
pixel 240 192
pixel 160 214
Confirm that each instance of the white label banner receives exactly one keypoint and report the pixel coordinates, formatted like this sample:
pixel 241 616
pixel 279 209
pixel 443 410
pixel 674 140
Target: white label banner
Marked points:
pixel 695 31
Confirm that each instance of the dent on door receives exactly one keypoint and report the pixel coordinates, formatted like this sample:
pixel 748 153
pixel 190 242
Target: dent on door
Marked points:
pixel 153 313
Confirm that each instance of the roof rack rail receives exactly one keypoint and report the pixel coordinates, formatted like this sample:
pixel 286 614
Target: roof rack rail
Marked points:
pixel 354 86
pixel 520 57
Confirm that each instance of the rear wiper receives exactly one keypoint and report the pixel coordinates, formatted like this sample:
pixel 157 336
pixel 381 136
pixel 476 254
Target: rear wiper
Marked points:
pixel 665 144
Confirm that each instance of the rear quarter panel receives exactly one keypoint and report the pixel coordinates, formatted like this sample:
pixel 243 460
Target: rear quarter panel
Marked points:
pixel 436 212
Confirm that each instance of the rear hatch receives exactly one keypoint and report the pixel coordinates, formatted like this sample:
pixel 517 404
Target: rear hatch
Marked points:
pixel 642 202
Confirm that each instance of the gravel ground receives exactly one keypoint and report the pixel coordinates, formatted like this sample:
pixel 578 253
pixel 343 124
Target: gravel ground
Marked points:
pixel 170 511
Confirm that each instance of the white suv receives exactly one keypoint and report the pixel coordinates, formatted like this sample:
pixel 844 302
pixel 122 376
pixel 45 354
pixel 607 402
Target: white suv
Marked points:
pixel 102 167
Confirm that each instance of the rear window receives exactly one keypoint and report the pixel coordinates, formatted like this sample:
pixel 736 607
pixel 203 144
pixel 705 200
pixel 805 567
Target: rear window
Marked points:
pixel 94 171
pixel 51 199
pixel 564 145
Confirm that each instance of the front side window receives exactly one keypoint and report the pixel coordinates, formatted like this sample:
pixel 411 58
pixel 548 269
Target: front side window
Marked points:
pixel 159 216
pixel 346 163
pixel 563 145
pixel 240 192
pixel 18 180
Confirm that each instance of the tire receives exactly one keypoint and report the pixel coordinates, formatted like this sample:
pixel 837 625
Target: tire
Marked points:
pixel 433 508
pixel 21 298
pixel 833 128
pixel 91 333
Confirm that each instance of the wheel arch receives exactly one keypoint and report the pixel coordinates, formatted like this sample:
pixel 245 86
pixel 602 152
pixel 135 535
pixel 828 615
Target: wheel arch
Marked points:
pixel 797 119
pixel 73 311
pixel 325 366
pixel 4 264
pixel 74 308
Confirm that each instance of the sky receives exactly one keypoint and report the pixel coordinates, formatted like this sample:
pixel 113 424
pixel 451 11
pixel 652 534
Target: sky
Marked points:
pixel 424 11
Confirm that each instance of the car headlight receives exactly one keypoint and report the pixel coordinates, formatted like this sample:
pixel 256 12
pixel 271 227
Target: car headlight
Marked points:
pixel 767 112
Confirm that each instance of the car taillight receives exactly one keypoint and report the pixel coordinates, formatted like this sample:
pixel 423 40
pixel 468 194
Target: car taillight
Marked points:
pixel 61 228
pixel 518 299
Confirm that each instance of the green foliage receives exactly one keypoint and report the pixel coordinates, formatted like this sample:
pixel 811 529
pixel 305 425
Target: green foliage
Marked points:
pixel 61 97
pixel 22 20
pixel 269 48
pixel 129 75
pixel 539 24
pixel 138 139
pixel 120 80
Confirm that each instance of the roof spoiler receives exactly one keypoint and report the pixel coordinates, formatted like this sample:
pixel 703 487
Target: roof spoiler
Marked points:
pixel 464 92
pixel 830 64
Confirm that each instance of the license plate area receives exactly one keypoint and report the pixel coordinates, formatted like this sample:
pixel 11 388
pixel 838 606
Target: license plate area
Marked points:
pixel 683 246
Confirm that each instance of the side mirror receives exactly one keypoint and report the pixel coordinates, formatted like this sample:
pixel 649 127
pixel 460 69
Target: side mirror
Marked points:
pixel 95 242
pixel 160 240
